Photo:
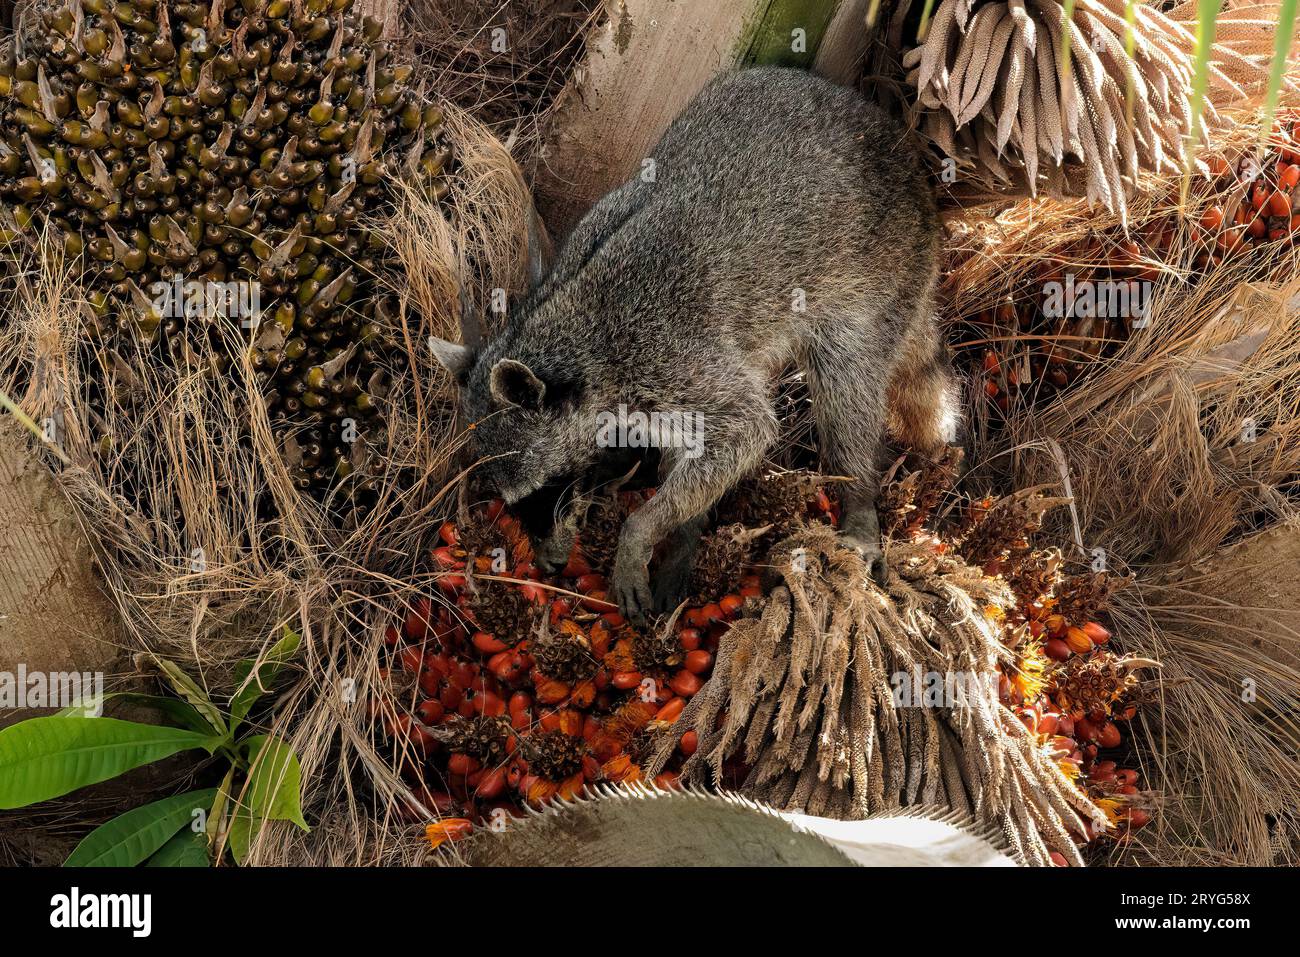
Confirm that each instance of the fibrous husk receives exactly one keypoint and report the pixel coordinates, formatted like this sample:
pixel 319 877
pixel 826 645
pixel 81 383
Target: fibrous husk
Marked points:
pixel 804 696
pixel 995 95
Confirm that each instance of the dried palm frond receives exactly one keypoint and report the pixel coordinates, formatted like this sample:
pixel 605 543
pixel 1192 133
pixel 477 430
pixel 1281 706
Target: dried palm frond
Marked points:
pixel 1026 99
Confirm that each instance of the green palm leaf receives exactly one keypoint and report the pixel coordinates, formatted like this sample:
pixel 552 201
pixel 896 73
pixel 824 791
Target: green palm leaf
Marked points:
pixel 129 838
pixel 1207 15
pixel 1281 47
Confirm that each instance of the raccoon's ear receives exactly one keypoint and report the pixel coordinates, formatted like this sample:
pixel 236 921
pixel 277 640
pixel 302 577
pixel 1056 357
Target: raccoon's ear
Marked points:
pixel 452 356
pixel 513 383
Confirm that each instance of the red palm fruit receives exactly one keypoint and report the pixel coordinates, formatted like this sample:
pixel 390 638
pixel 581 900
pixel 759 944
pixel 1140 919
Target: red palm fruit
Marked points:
pixel 698 662
pixel 466 707
pixel 1096 633
pixel 1108 735
pixel 731 605
pixel 571 722
pixel 1048 723
pixel 599 636
pixel 464 674
pixel 1259 196
pixel 1078 641
pixel 1279 204
pixel 751 591
pixel 491 785
pixel 1257 228
pixel 1035 628
pixel 1138 818
pixel 685 684
pixel 598 601
pixel 452 696
pixel 669 780
pixel 584 693
pixel 1128 789
pixel 448 533
pixel 488 644
pixel 1127 776
pixel 411 659
pixel 613 619
pixel 1056 649
pixel 1062 746
pixel 601 680
pixel 671 711
pixel 515 772
pixel 625 680
pixel 448 557
pixel 713 613
pixel 1085 730
pixel 535 594
pixel 488 704
pixel 1059 859
pixel 417 621
pixel 450 829
pixel 696 618
pixel 451 583
pixel 1288 177
pixel 690 638
pixel 561 608
pixel 1230 238
pixel 590 727
pixel 391 637
pixel 430 683
pixel 577 565
pixel 520 701
pixel 521 720
pixel 1065 724
pixel 590 768
pixel 1100 775
pixel 550 691
pixel 590 582
pixel 1278 234
pixel 688 743
pixel 430 711
pixel 462 764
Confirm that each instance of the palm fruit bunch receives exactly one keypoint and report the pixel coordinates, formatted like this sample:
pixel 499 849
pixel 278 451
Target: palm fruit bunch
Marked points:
pixel 237 145
pixel 501 694
pixel 1250 205
pixel 1066 684
pixel 994 92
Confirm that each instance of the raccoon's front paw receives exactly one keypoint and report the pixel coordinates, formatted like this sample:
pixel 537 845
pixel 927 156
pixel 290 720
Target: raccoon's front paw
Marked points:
pixel 869 549
pixel 630 585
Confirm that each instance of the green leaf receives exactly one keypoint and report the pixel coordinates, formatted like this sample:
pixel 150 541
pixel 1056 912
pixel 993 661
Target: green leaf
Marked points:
pixel 182 712
pixel 129 838
pixel 188 689
pixel 274 781
pixel 1207 16
pixel 186 849
pixel 253 677
pixel 270 794
pixel 1281 47
pixel 42 758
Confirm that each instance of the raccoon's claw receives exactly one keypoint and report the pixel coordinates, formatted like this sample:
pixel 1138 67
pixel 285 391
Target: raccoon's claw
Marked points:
pixel 631 589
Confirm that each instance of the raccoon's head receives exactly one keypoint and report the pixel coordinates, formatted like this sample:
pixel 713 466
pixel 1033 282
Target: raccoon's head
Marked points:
pixel 526 429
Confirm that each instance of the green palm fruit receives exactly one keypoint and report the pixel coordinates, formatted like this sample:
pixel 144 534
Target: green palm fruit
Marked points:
pixel 238 142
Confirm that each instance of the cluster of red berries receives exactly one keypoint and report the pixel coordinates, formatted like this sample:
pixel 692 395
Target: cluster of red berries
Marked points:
pixel 1252 202
pixel 508 687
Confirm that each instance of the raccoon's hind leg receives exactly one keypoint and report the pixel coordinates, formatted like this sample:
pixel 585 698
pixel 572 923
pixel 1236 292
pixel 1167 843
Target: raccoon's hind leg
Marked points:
pixel 848 387
pixel 924 395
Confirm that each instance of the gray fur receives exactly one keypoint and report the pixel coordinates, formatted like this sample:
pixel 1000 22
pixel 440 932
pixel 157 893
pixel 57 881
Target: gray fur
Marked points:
pixel 678 295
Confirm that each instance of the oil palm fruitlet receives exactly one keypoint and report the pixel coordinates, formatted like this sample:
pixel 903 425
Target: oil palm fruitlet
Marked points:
pixel 212 169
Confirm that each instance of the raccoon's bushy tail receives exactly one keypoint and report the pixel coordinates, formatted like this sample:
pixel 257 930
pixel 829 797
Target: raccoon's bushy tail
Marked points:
pixel 925 394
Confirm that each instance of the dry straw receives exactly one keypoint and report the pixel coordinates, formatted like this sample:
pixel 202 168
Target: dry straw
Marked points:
pixel 1185 440
pixel 207 547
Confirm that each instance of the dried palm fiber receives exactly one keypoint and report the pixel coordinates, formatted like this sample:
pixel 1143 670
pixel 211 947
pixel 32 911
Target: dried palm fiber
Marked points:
pixel 804 695
pixel 1187 440
pixel 993 92
pixel 191 459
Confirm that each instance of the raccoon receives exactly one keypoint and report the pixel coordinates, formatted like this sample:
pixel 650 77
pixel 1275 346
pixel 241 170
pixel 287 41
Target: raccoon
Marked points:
pixel 780 220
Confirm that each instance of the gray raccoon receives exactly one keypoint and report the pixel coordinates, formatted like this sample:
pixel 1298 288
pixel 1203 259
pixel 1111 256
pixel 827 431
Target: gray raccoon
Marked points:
pixel 781 219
